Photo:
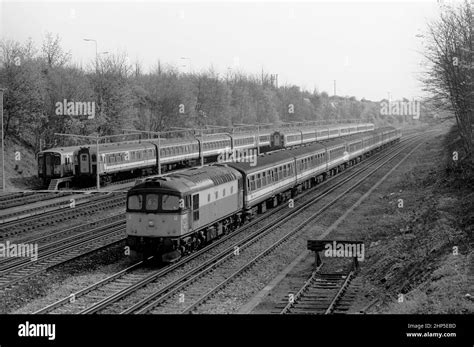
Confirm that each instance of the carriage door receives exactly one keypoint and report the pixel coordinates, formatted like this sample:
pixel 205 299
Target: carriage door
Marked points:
pixel 276 139
pixel 84 163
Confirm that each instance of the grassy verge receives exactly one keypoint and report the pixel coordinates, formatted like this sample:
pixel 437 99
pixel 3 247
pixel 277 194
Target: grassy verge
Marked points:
pixel 422 258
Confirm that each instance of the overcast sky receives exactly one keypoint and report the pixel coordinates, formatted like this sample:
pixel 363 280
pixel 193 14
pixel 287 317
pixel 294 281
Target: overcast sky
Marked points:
pixel 369 48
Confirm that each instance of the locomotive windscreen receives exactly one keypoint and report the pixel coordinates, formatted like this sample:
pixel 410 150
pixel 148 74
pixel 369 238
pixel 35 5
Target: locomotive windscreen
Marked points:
pixel 153 202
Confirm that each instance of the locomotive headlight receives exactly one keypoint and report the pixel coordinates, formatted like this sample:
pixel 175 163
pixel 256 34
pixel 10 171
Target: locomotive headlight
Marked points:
pixel 151 223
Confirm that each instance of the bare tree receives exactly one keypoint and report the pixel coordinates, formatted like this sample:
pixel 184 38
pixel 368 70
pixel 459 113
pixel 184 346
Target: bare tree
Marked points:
pixel 52 51
pixel 449 78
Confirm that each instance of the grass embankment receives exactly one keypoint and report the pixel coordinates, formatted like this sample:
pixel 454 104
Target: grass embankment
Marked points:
pixel 424 250
pixel 19 174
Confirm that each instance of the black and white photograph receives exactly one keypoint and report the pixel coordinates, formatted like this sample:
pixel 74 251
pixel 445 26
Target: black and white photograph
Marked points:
pixel 176 168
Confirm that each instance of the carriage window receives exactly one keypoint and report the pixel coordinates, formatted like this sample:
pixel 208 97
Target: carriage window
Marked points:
pixel 217 195
pixel 208 197
pixel 232 189
pixel 170 203
pixel 259 182
pixel 135 202
pixel 94 157
pixel 223 192
pixel 40 162
pixel 151 202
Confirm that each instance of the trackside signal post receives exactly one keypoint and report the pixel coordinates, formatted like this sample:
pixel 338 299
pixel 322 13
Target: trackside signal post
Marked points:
pixel 324 245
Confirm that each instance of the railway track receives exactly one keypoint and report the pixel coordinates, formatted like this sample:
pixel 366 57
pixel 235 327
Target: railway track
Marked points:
pixel 64 246
pixel 109 295
pixel 322 293
pixel 29 198
pixel 12 196
pixel 61 212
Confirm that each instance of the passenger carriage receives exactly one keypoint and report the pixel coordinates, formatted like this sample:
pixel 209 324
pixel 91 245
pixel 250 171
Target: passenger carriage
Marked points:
pixel 295 137
pixel 273 172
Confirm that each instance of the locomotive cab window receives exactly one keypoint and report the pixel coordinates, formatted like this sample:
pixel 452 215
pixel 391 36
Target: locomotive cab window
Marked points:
pixel 170 203
pixel 134 202
pixel 151 202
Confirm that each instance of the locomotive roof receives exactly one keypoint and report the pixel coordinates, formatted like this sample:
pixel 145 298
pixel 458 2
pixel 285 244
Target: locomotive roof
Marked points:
pixel 190 180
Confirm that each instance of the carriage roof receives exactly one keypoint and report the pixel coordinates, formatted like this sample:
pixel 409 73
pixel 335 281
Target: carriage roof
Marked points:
pixel 60 150
pixel 190 180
